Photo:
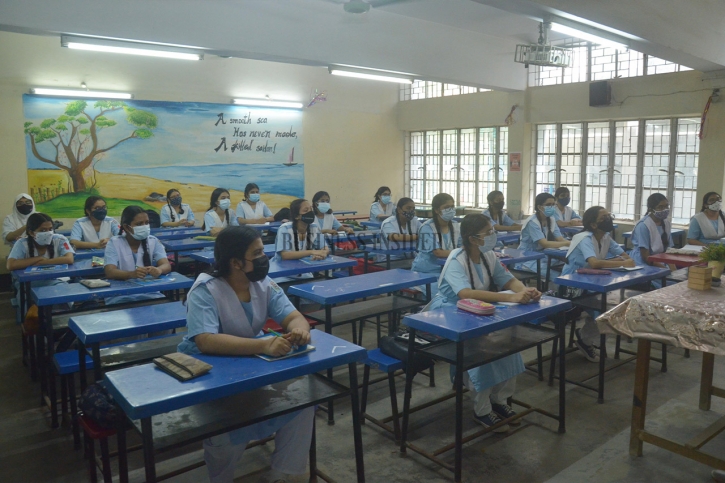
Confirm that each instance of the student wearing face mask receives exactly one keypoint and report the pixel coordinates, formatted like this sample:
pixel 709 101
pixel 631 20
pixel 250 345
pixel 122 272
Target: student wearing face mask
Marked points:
pixel 300 237
pixel 499 218
pixel 437 237
pixel 474 272
pixel 402 229
pixel 96 228
pixel 540 231
pixel 41 247
pixel 382 206
pixel 175 213
pixel 14 224
pixel 594 248
pixel 324 218
pixel 219 216
pixel 226 313
pixel 708 226
pixel 653 233
pixel 252 210
pixel 565 216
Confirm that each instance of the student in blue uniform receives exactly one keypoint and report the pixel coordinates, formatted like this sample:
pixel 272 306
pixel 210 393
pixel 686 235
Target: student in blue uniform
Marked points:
pixel 708 226
pixel 219 216
pixel 300 237
pixel 594 248
pixel 402 229
pixel 176 213
pixel 540 231
pixel 324 218
pixel 252 210
pixel 474 272
pixel 653 233
pixel 96 228
pixel 437 237
pixel 40 247
pixel 565 215
pixel 500 219
pixel 382 206
pixel 217 326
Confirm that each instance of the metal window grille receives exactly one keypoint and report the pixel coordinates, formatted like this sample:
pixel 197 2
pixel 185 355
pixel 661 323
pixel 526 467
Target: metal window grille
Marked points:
pixel 420 89
pixel 684 203
pixel 625 175
pixel 546 156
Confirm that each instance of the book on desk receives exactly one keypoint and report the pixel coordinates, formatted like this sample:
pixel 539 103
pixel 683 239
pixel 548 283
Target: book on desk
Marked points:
pixel 296 351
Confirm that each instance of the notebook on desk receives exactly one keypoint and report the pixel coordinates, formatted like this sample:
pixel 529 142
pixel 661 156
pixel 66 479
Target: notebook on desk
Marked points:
pixel 626 269
pixel 46 268
pixel 298 351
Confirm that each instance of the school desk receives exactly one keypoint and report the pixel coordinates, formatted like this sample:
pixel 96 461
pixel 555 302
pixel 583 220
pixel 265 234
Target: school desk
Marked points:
pixel 185 245
pixel 344 212
pixel 169 413
pixel 512 256
pixel 206 256
pixel 46 297
pixel 166 229
pixel 574 230
pixel 679 261
pixel 178 234
pixel 599 286
pixel 288 268
pixel 508 331
pixel 393 249
pixel 371 225
pixel 509 237
pixel 361 239
pixel 87 253
pixel 270 225
pixel 677 234
pixel 681 317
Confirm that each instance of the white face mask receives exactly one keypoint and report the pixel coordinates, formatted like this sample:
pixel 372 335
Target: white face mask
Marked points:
pixel 716 206
pixel 44 238
pixel 141 232
pixel 323 207
pixel 489 243
pixel 225 204
pixel 448 214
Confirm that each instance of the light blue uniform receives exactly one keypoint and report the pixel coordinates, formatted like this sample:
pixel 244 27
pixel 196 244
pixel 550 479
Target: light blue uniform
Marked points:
pixel 376 210
pixel 83 230
pixel 328 222
pixel 61 247
pixel 212 220
pixel 584 251
pixel 530 236
pixel 130 262
pixel 506 220
pixel 428 241
pixel 695 231
pixel 284 241
pixel 641 239
pixel 568 214
pixel 166 214
pixel 260 210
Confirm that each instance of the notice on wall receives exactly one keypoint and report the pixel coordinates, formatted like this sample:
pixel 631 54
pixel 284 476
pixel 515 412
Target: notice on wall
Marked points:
pixel 514 162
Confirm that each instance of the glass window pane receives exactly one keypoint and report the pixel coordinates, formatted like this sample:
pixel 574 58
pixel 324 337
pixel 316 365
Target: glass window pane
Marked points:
pixel 486 164
pixel 571 161
pixel 686 203
pixel 450 163
pixel 655 177
pixel 625 169
pixel 545 159
pixel 597 164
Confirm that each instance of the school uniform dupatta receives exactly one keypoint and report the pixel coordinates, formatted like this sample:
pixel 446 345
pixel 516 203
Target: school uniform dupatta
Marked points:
pixel 706 226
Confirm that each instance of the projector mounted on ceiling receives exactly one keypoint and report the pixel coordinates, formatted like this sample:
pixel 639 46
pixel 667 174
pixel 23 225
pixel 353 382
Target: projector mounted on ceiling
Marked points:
pixel 543 53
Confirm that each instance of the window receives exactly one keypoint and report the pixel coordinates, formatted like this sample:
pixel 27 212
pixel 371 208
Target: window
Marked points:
pixel 420 89
pixel 618 164
pixel 465 163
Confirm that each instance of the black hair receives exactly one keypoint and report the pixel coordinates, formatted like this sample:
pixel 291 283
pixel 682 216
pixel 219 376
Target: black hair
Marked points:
pixel 472 225
pixel 127 216
pixel 380 192
pixel 560 191
pixel 541 198
pixel 90 201
pixel 34 222
pixel 171 208
pixel 590 217
pixel 652 201
pixel 439 200
pixel 704 203
pixel 294 209
pixel 248 188
pixel 317 197
pixel 490 197
pixel 212 203
pixel 401 203
pixel 232 242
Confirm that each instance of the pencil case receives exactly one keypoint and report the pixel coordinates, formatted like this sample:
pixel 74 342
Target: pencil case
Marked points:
pixel 593 271
pixel 476 306
pixel 181 366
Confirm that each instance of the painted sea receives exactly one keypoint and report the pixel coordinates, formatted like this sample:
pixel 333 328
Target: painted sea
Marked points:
pixel 271 178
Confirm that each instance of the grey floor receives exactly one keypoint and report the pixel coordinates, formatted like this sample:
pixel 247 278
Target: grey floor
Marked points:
pixel 594 448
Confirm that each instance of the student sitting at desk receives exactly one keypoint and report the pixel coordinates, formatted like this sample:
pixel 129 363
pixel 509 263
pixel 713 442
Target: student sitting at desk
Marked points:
pixel 324 218
pixel 594 248
pixel 500 219
pixel 176 213
pixel 565 216
pixel 653 233
pixel 474 272
pixel 217 326
pixel 96 228
pixel 219 216
pixel 135 253
pixel 708 226
pixel 300 237
pixel 402 229
pixel 540 231
pixel 14 224
pixel 252 210
pixel 41 247
pixel 437 237
pixel 382 206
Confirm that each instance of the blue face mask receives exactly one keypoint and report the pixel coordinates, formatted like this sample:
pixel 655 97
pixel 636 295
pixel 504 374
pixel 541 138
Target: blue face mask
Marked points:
pixel 385 199
pixel 550 210
pixel 489 243
pixel 254 197
pixel 564 201
pixel 448 214
pixel 225 204
pixel 323 207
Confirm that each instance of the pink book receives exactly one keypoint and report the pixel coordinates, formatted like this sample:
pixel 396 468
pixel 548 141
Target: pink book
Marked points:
pixel 476 306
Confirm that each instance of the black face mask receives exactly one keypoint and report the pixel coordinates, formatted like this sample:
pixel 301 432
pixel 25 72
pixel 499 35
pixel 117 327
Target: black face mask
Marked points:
pixel 497 206
pixel 606 225
pixel 99 214
pixel 308 218
pixel 260 269
pixel 24 209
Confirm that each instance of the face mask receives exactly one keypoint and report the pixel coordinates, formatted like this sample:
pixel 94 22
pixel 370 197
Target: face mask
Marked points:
pixel 99 215
pixel 715 206
pixel 25 209
pixel 550 210
pixel 175 201
pixel 141 232
pixel 323 207
pixel 308 218
pixel 606 225
pixel 409 215
pixel 564 201
pixel 448 214
pixel 662 214
pixel 43 238
pixel 489 243
pixel 385 199
pixel 225 204
pixel 497 206
pixel 260 269
pixel 254 197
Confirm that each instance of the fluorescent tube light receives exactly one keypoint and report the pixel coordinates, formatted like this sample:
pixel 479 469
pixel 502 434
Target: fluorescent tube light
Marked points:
pixel 47 91
pixel 580 34
pixel 371 74
pixel 268 103
pixel 132 48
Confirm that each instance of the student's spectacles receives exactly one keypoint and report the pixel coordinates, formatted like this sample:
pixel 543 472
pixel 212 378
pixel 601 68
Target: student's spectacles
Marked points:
pixel 485 234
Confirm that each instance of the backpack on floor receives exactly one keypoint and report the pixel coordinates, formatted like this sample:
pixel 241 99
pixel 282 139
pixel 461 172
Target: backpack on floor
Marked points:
pixel 97 404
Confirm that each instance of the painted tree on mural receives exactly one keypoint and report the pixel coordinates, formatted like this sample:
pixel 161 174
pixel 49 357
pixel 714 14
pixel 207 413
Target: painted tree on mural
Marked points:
pixel 74 136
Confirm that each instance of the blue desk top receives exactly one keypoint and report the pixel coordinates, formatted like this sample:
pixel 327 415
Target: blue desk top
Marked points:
pixel 371 224
pixel 287 268
pixel 344 212
pixel 88 253
pixel 82 268
pixel 164 229
pixel 507 237
pixel 360 286
pixel 675 231
pixel 513 256
pixel 76 292
pixel 144 391
pixel 265 226
pixel 556 253
pixel 119 324
pixel 358 236
pixel 186 244
pixel 380 249
pixel 458 325
pixel 207 256
pixel 178 234
pixel 615 281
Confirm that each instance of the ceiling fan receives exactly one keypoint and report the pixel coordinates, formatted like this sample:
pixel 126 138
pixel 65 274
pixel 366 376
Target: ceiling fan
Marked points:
pixel 361 6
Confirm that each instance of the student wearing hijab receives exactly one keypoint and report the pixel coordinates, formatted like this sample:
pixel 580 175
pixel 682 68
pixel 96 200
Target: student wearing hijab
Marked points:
pixel 14 224
pixel 708 226
pixel 176 213
pixel 96 228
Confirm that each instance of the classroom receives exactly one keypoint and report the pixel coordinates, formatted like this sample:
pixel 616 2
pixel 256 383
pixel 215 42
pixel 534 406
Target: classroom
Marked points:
pixel 468 236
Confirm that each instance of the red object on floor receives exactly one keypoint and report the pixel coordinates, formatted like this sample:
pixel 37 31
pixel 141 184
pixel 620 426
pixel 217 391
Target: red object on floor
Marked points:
pixel 359 269
pixel 93 429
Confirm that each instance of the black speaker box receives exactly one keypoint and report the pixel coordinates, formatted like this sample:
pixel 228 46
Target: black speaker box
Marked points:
pixel 600 94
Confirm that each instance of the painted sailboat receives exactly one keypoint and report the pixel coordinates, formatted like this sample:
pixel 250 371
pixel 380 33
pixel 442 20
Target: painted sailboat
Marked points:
pixel 291 159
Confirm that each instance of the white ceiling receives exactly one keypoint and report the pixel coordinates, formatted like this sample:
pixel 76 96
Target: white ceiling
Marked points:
pixel 467 42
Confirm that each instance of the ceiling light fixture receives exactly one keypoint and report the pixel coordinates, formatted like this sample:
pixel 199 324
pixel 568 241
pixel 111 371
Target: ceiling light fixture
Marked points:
pixel 268 103
pixel 132 48
pixel 581 34
pixel 49 91
pixel 371 74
